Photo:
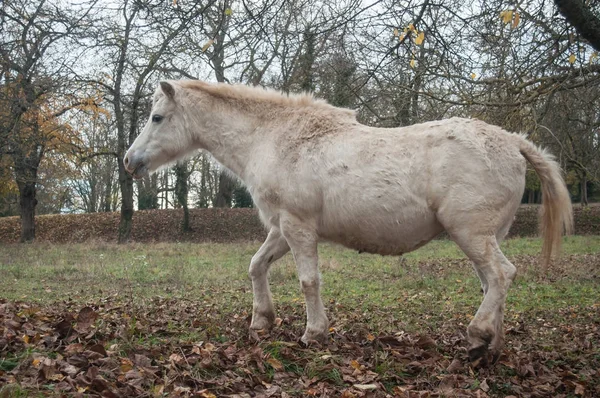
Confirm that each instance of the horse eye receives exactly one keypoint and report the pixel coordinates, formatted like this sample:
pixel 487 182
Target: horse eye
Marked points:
pixel 157 118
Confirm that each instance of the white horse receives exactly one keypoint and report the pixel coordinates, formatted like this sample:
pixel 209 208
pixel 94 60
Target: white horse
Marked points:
pixel 316 174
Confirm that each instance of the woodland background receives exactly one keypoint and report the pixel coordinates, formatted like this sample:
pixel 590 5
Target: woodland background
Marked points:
pixel 76 79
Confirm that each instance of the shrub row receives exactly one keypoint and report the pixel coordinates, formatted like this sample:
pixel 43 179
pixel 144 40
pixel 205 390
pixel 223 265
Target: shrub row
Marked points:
pixel 215 225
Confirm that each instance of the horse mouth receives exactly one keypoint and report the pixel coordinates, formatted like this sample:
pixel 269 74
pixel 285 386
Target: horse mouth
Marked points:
pixel 139 172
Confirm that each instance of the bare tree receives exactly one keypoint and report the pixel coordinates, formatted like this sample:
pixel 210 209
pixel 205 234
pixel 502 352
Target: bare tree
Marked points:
pixel 572 129
pixel 141 37
pixel 182 175
pixel 34 37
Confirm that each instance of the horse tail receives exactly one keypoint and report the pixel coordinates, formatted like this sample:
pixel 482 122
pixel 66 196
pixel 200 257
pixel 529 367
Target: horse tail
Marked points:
pixel 556 213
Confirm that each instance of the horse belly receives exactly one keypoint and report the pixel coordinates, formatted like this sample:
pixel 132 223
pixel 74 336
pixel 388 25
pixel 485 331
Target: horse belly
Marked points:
pixel 387 233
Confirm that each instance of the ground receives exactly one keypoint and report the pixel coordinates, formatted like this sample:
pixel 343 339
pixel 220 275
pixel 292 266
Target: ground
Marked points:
pixel 172 320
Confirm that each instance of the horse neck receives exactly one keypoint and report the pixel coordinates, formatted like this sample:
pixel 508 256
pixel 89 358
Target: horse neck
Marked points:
pixel 228 135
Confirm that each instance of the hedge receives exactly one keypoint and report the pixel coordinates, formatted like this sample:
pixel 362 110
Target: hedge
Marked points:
pixel 215 225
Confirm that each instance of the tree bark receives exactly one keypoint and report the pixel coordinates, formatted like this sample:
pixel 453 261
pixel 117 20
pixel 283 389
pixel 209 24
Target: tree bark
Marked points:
pixel 583 190
pixel 531 196
pixel 27 202
pixel 108 188
pixel 126 221
pixel 181 193
pixel 226 184
pixel 225 191
pixel 148 193
pixel 582 18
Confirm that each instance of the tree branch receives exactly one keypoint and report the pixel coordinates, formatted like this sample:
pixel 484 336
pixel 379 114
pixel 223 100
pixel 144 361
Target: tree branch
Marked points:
pixel 582 18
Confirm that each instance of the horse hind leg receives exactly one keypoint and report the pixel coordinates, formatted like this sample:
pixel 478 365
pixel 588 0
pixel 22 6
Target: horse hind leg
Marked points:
pixel 485 332
pixel 510 272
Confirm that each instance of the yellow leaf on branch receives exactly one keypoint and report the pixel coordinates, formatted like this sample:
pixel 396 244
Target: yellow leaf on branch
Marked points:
pixel 516 20
pixel 412 63
pixel 207 44
pixel 572 59
pixel 506 16
pixel 396 33
pixel 420 38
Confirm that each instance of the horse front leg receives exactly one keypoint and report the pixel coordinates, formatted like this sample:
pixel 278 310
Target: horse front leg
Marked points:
pixel 263 311
pixel 302 239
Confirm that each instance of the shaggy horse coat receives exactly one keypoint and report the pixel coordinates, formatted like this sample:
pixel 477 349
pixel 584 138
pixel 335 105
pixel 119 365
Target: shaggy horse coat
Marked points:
pixel 316 174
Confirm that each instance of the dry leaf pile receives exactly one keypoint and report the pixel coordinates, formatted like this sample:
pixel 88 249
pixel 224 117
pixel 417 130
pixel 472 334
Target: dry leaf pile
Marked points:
pixel 177 347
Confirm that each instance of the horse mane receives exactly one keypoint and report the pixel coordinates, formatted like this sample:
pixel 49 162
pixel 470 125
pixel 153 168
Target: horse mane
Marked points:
pixel 241 92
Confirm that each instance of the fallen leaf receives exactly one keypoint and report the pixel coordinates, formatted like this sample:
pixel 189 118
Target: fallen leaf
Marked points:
pixel 354 363
pixel 426 342
pixel 484 386
pixel 86 317
pixel 275 364
pixel 365 387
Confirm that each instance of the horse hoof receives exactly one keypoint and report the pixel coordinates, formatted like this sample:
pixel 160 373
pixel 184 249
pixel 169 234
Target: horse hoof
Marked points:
pixel 311 338
pixel 262 322
pixel 495 356
pixel 478 355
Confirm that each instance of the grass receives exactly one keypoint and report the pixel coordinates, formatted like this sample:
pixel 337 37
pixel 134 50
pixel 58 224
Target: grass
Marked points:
pixel 434 279
pixel 46 272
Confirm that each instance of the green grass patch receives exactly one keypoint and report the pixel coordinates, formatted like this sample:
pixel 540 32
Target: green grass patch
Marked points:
pixel 424 278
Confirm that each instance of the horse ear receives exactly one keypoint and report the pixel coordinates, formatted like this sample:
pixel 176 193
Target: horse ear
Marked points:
pixel 168 89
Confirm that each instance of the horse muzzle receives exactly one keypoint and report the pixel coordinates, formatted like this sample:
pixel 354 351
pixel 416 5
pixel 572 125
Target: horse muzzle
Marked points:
pixel 135 165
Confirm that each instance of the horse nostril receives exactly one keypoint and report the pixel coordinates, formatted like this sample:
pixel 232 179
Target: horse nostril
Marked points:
pixel 126 161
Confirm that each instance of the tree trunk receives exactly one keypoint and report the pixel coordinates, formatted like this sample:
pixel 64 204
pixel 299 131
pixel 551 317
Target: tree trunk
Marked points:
pixel 582 18
pixel 126 222
pixel 107 195
pixel 583 190
pixel 226 184
pixel 27 201
pixel 181 193
pixel 148 192
pixel 26 169
pixel 307 60
pixel 225 191
pixel 531 196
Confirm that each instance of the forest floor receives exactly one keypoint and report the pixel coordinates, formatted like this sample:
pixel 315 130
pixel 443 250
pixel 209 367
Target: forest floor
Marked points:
pixel 171 319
